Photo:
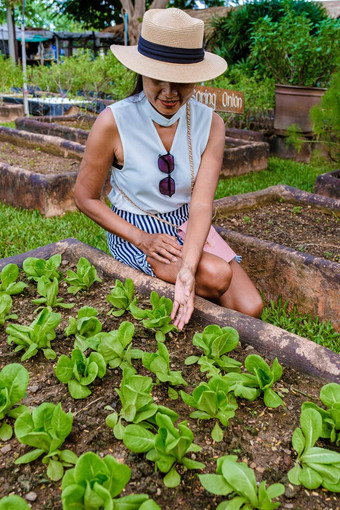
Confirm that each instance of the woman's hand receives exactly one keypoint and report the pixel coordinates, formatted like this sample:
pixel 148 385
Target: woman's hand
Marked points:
pixel 161 247
pixel 184 297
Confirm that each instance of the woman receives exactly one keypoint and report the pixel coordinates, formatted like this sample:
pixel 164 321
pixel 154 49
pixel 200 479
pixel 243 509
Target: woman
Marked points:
pixel 165 150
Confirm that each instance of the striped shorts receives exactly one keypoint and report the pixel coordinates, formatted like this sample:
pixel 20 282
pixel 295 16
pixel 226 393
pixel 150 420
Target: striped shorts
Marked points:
pixel 129 254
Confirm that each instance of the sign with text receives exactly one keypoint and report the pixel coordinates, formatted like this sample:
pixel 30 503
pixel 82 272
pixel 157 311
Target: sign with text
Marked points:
pixel 220 100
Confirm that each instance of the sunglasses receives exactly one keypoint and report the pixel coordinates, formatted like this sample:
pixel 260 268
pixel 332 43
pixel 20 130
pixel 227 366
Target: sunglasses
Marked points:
pixel 166 164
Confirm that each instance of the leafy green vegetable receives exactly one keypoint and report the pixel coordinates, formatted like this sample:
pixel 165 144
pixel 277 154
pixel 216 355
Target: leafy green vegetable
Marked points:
pixel 13 503
pixel 79 371
pixel 46 428
pixel 114 346
pixel 158 318
pixel 260 380
pixel 236 477
pixel 13 384
pixel 49 290
pixel 8 280
pixel 159 363
pixel 36 268
pixel 5 306
pixel 168 447
pixel 85 276
pixel 330 397
pixel 94 482
pixel 137 403
pixel 212 400
pixel 314 466
pixel 84 327
pixel 121 297
pixel 215 342
pixel 37 335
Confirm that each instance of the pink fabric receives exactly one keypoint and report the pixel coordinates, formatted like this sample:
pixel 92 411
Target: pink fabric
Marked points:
pixel 214 244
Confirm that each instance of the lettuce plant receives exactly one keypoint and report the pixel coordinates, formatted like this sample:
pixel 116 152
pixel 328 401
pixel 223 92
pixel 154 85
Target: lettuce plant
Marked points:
pixel 260 380
pixel 84 328
pixel 212 400
pixel 314 466
pixel 137 403
pixel 330 397
pixel 121 297
pixel 238 480
pixel 45 428
pixel 215 342
pixel 94 482
pixel 38 335
pixel 115 346
pixel 158 318
pixel 168 447
pixel 13 384
pixel 5 307
pixel 78 371
pixel 83 278
pixel 8 280
pixel 13 502
pixel 49 290
pixel 159 363
pixel 36 268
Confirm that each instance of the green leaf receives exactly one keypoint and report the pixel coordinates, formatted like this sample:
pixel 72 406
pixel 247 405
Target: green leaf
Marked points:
pixel 55 470
pixel 138 439
pixel 310 478
pixel 311 425
pixel 241 478
pixel 172 393
pixel 172 479
pixel 216 484
pixel 217 433
pixel 13 502
pixel 317 455
pixel 6 432
pixel 330 394
pixel 272 399
pixel 77 390
pixel 30 456
pixel 192 464
pixel 298 441
pixel 190 360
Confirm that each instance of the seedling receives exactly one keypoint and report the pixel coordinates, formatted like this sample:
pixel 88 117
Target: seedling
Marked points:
pixel 98 481
pixel 168 447
pixel 330 397
pixel 158 318
pixel 121 297
pixel 13 384
pixel 8 280
pixel 159 363
pixel 38 335
pixel 114 346
pixel 314 466
pixel 212 400
pixel 49 290
pixel 78 372
pixel 215 342
pixel 236 477
pixel 5 307
pixel 46 428
pixel 84 328
pixel 36 268
pixel 84 278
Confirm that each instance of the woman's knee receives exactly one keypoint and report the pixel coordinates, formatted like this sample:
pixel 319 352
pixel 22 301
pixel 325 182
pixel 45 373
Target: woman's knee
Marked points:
pixel 252 305
pixel 213 277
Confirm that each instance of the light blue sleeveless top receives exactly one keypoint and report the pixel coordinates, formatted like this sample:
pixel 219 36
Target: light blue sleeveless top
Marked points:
pixel 140 176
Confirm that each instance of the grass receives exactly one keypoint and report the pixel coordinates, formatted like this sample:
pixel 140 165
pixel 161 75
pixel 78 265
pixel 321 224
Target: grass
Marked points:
pixel 8 124
pixel 22 230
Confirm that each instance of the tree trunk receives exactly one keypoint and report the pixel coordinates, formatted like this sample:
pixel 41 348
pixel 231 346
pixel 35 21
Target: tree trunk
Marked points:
pixel 11 33
pixel 135 14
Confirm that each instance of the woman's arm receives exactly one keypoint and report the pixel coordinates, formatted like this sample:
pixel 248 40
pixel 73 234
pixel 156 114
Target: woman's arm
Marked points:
pixel 103 145
pixel 200 215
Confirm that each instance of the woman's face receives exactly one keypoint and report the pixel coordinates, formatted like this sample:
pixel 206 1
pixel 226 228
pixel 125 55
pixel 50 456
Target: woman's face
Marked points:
pixel 167 97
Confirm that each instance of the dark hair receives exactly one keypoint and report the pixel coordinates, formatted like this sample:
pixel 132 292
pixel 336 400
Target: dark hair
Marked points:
pixel 138 85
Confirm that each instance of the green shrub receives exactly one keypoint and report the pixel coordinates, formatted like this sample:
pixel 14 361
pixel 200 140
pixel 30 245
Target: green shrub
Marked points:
pixel 10 74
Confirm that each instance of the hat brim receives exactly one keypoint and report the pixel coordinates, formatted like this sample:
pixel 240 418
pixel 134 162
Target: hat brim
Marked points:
pixel 211 67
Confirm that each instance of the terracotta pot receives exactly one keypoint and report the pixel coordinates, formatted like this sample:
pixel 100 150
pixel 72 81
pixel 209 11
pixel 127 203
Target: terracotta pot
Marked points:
pixel 292 105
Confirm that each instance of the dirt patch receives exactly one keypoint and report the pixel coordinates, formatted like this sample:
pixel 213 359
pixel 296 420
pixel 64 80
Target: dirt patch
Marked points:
pixel 258 435
pixel 36 160
pixel 303 228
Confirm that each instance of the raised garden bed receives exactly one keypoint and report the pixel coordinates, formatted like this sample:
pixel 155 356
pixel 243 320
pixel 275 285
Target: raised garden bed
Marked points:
pixel 38 171
pixel 10 112
pixel 258 435
pixel 243 154
pixel 328 184
pixel 69 130
pixel 310 281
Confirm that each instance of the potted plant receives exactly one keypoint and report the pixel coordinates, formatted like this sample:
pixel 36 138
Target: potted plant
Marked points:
pixel 301 57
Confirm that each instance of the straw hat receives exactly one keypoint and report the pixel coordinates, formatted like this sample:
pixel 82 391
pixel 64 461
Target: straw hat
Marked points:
pixel 170 48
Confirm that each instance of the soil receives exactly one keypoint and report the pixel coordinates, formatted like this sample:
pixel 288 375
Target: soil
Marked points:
pixel 36 160
pixel 301 227
pixel 260 436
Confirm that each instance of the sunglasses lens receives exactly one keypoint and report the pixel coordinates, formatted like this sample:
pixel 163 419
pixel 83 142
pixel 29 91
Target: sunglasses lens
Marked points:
pixel 167 186
pixel 166 163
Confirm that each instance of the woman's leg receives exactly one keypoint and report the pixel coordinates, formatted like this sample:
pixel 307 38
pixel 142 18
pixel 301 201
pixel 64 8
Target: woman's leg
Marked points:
pixel 220 282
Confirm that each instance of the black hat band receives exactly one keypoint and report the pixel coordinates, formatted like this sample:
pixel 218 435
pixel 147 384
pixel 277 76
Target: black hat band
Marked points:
pixel 170 54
